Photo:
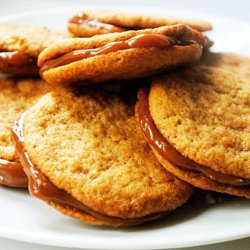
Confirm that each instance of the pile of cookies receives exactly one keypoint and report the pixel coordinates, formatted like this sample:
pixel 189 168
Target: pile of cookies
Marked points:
pixel 117 121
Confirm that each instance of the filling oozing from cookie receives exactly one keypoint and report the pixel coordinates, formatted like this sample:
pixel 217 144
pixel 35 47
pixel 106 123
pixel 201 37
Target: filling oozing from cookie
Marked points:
pixel 139 41
pixel 12 174
pixel 19 59
pixel 41 187
pixel 83 20
pixel 158 142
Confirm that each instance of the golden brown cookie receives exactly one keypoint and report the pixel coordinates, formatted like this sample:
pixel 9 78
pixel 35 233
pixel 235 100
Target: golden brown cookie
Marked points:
pixel 93 22
pixel 16 95
pixel 86 157
pixel 125 55
pixel 20 46
pixel 232 62
pixel 197 122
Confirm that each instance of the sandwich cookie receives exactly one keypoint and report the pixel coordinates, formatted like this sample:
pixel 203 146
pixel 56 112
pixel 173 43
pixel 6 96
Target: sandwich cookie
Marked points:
pixel 16 95
pixel 197 122
pixel 94 22
pixel 125 55
pixel 20 46
pixel 85 156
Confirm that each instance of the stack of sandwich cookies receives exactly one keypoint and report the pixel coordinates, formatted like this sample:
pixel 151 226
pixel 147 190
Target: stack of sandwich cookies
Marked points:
pixel 196 121
pixel 94 22
pixel 93 151
pixel 85 155
pixel 16 95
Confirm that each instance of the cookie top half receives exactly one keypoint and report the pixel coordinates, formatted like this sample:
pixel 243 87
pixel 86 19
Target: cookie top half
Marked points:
pixel 88 145
pixel 203 113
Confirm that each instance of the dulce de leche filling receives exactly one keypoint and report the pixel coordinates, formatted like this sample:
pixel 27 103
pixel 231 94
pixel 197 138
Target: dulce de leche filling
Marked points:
pixel 83 20
pixel 158 142
pixel 139 41
pixel 12 174
pixel 41 187
pixel 19 59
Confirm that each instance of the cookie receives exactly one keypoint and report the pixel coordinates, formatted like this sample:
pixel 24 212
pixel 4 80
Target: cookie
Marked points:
pixel 20 46
pixel 197 122
pixel 16 95
pixel 93 22
pixel 125 55
pixel 86 157
pixel 233 62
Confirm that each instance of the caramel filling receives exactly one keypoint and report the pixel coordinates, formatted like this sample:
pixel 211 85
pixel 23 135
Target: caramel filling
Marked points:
pixel 158 142
pixel 139 41
pixel 84 21
pixel 12 174
pixel 17 58
pixel 23 63
pixel 41 187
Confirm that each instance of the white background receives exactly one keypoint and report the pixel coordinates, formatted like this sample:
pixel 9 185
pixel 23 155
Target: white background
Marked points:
pixel 233 9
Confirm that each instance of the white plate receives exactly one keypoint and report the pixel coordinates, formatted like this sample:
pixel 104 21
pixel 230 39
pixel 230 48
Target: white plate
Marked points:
pixel 25 218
